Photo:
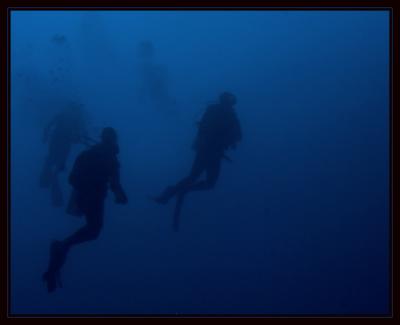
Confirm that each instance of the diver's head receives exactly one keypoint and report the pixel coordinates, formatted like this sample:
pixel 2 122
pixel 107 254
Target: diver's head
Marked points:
pixel 109 136
pixel 227 99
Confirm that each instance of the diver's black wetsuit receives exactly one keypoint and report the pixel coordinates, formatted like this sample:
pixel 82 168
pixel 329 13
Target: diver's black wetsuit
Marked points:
pixel 93 171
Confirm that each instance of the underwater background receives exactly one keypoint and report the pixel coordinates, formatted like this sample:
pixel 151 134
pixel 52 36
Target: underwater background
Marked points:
pixel 298 222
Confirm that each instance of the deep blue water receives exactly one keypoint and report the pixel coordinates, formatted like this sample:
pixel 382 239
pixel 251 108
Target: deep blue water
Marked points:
pixel 297 224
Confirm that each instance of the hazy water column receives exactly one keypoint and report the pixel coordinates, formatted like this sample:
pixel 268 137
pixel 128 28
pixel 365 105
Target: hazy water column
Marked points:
pixel 297 224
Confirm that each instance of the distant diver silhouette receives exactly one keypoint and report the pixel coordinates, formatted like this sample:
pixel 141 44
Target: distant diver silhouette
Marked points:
pixel 153 85
pixel 64 130
pixel 218 130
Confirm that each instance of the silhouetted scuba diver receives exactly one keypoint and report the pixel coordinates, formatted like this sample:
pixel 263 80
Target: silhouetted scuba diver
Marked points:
pixel 218 130
pixel 94 170
pixel 66 129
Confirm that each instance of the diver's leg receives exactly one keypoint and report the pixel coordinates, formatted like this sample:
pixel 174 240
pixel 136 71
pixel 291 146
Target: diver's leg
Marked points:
pixel 56 193
pixel 58 254
pixel 197 168
pixel 213 171
pixel 212 176
pixel 61 160
pixel 94 223
pixel 60 249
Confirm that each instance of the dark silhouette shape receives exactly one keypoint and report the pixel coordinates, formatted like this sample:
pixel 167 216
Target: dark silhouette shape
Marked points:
pixel 93 171
pixel 219 130
pixel 66 129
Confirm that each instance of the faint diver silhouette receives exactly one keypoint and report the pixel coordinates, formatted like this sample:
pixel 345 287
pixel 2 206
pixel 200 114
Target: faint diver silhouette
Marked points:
pixel 218 130
pixel 64 130
pixel 153 87
pixel 94 170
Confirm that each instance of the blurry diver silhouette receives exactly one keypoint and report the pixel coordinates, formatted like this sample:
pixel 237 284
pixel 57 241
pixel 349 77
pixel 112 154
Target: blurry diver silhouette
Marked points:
pixel 153 86
pixel 94 170
pixel 64 130
pixel 219 130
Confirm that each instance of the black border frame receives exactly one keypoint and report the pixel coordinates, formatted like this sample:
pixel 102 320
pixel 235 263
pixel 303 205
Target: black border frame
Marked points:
pixel 9 5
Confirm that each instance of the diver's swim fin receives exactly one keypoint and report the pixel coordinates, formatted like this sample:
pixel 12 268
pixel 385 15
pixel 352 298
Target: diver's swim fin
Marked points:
pixel 52 280
pixel 58 255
